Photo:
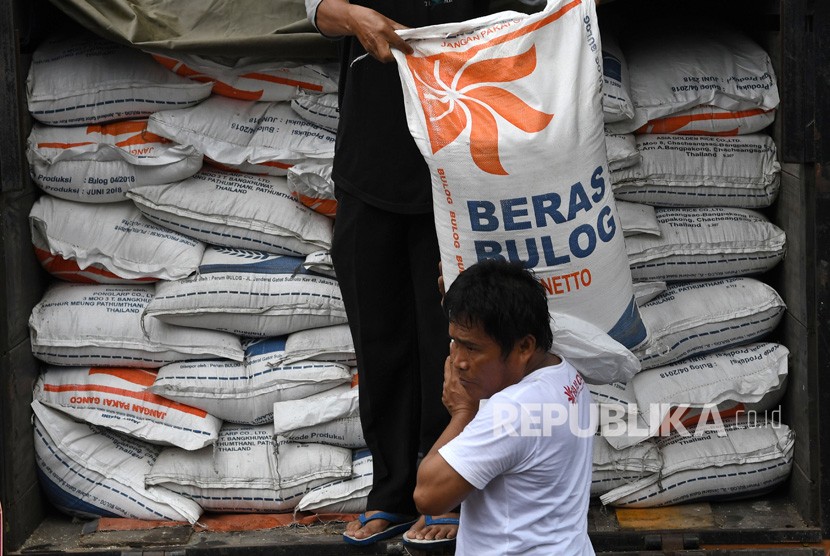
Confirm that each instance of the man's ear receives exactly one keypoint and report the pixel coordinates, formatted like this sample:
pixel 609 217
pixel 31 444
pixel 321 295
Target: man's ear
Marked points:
pixel 527 346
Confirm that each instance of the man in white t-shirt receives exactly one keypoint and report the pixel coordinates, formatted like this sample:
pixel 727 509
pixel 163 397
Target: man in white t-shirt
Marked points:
pixel 517 453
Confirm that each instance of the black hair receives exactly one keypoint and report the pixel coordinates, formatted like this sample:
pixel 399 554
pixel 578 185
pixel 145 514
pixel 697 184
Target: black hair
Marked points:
pixel 504 298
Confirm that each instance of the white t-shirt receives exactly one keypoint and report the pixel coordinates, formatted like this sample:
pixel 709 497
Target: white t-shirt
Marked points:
pixel 528 452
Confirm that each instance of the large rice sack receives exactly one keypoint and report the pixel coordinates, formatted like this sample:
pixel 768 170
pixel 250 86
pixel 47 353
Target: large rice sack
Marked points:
pixel 710 120
pixel 613 468
pixel 750 459
pixel 236 210
pixel 701 317
pixel 679 67
pixel 102 325
pixel 108 244
pixel 749 378
pixel 706 243
pixel 120 399
pixel 701 171
pixel 245 392
pixel 252 79
pixel 88 472
pixel 99 163
pixel 251 294
pixel 330 417
pixel 271 136
pixel 616 100
pixel 516 99
pixel 83 79
pixel 346 496
pixel 248 470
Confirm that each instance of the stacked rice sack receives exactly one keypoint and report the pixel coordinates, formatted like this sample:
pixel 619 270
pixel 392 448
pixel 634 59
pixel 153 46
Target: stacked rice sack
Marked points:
pixel 701 420
pixel 183 310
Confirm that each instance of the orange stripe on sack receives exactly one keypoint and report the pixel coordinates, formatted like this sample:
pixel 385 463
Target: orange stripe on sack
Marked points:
pixel 141 377
pixel 69 270
pixel 275 164
pixel 326 207
pixel 221 88
pixel 283 81
pixel 671 124
pixel 64 145
pixel 144 396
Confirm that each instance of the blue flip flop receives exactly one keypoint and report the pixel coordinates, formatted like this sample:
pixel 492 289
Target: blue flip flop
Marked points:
pixel 398 523
pixel 432 544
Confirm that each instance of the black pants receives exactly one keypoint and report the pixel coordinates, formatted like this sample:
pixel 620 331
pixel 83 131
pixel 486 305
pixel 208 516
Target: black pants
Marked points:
pixel 387 268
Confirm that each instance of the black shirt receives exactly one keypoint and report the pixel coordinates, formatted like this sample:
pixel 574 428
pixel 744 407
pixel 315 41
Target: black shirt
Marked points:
pixel 376 158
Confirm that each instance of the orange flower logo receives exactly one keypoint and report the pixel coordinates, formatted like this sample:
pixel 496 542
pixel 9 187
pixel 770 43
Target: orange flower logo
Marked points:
pixel 454 92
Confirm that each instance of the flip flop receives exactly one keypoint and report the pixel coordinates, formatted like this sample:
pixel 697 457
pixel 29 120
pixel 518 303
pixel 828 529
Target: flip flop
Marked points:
pixel 398 523
pixel 432 544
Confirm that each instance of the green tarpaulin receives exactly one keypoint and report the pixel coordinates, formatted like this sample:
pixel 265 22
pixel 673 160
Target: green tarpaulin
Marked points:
pixel 273 29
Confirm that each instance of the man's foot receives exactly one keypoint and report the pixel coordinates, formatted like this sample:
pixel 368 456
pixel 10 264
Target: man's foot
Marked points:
pixel 433 531
pixel 373 526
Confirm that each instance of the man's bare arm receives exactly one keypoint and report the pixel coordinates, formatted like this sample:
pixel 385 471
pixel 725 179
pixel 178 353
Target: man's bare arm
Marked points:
pixel 440 488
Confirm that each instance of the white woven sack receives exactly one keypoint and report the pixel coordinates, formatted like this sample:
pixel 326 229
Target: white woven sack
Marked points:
pixel 120 399
pixel 84 79
pixel 616 99
pixel 673 69
pixel 310 182
pixel 735 379
pixel 330 417
pixel 613 468
pixel 245 393
pixel 111 243
pixel 748 379
pixel 250 294
pixel 622 150
pixel 327 343
pixel 636 218
pixel 509 97
pixel 752 458
pixel 706 243
pixel 89 472
pixel 236 210
pixel 701 171
pixel 243 472
pixel 646 291
pixel 101 325
pixel 701 317
pixel 711 120
pixel 254 79
pixel 320 109
pixel 99 163
pixel 234 132
pixel 344 496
